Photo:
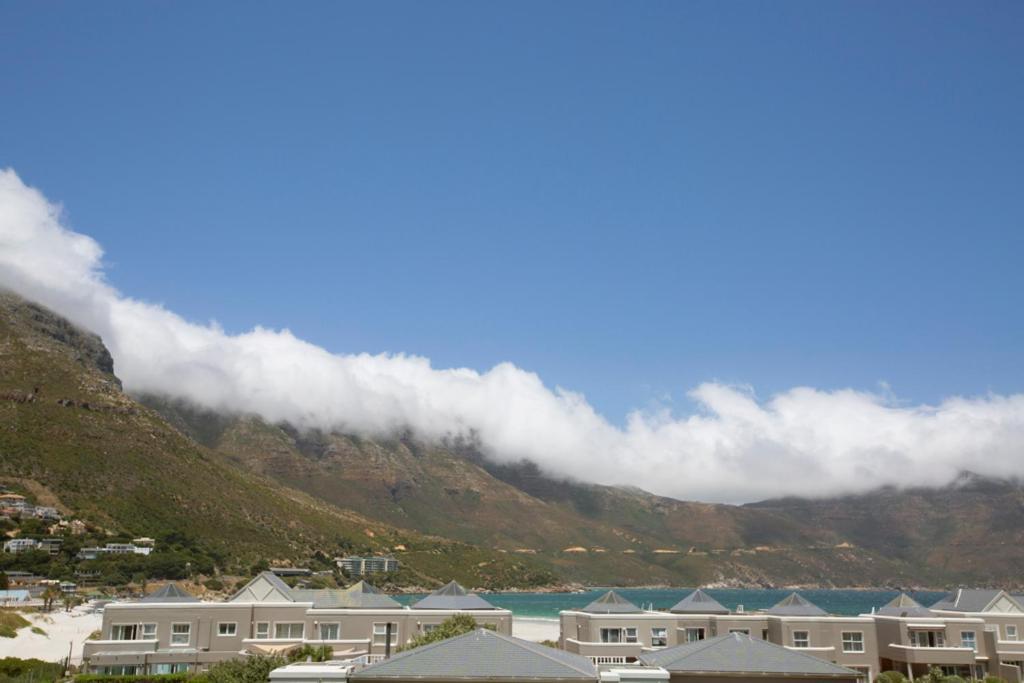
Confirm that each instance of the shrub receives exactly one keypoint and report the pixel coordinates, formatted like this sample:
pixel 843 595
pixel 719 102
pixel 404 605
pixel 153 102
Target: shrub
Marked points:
pixel 38 631
pixel 891 677
pixel 249 670
pixel 214 584
pixel 143 678
pixel 14 670
pixel 449 628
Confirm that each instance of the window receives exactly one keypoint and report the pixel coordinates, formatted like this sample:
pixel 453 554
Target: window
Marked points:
pixel 227 628
pixel 927 639
pixel 969 639
pixel 864 671
pixel 659 637
pixel 181 634
pixel 1011 632
pixel 744 631
pixel 853 641
pixel 764 634
pixel 631 634
pixel 801 638
pixel 329 631
pixel 121 670
pixel 288 631
pixel 170 668
pixel 694 634
pixel 380 634
pixel 124 632
pixel 611 635
pixel 262 630
pixel 427 628
pixel 149 631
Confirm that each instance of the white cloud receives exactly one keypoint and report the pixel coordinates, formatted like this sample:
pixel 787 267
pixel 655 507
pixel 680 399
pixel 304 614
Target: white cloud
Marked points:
pixel 802 441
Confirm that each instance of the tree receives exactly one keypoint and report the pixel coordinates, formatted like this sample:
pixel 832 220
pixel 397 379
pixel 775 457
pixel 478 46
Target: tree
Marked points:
pixel 70 600
pixel 449 628
pixel 323 653
pixel 50 595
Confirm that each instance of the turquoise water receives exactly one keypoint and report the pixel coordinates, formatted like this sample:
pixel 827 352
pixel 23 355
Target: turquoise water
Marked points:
pixel 844 602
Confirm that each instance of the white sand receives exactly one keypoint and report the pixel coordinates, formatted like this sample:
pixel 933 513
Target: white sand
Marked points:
pixel 535 629
pixel 62 629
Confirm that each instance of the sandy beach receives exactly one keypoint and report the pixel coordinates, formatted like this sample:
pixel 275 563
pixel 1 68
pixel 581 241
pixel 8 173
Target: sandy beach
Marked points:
pixel 62 629
pixel 535 629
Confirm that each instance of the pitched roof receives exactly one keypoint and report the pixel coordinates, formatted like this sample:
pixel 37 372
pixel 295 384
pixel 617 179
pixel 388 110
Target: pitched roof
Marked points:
pixel 975 600
pixel 739 653
pixel 481 654
pixel 796 605
pixel 611 603
pixel 904 606
pixel 453 596
pixel 264 587
pixel 360 595
pixel 699 602
pixel 169 592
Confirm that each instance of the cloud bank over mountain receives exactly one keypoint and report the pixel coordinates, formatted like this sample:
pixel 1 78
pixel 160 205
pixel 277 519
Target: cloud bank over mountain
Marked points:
pixel 736 448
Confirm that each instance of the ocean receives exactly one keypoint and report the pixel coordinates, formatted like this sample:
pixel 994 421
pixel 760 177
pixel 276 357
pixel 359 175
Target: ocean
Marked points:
pixel 547 605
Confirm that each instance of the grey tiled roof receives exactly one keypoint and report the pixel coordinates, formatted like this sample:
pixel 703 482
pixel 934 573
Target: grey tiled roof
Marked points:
pixel 271 579
pixel 481 654
pixel 969 599
pixel 699 602
pixel 611 603
pixel 169 592
pixel 453 596
pixel 904 606
pixel 795 605
pixel 359 595
pixel 739 653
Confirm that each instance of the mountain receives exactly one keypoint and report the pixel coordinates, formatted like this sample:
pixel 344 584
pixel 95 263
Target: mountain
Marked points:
pixel 585 533
pixel 71 437
pixel 969 532
pixel 253 490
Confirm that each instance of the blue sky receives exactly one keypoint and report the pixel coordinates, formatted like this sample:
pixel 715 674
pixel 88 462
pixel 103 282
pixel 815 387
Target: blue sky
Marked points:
pixel 628 199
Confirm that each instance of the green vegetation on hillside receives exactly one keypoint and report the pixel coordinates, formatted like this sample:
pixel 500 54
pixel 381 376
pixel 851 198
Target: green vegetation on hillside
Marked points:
pixel 70 434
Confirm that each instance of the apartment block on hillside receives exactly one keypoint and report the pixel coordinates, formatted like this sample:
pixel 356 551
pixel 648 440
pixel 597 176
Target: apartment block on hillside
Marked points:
pixel 364 566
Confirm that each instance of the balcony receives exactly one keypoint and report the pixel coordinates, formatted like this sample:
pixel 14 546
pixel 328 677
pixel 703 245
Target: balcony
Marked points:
pixel 590 648
pixel 119 647
pixel 933 655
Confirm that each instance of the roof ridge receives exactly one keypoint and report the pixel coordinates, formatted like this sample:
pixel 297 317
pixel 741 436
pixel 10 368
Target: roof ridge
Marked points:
pixel 701 645
pixel 537 649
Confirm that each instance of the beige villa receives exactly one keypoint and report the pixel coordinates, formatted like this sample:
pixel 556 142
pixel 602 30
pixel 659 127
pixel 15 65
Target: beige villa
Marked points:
pixel 171 631
pixel 970 633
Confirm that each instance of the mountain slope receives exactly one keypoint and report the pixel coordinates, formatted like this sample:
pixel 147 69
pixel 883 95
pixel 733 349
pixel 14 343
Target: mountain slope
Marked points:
pixel 68 431
pixel 616 535
pixel 252 490
pixel 969 532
